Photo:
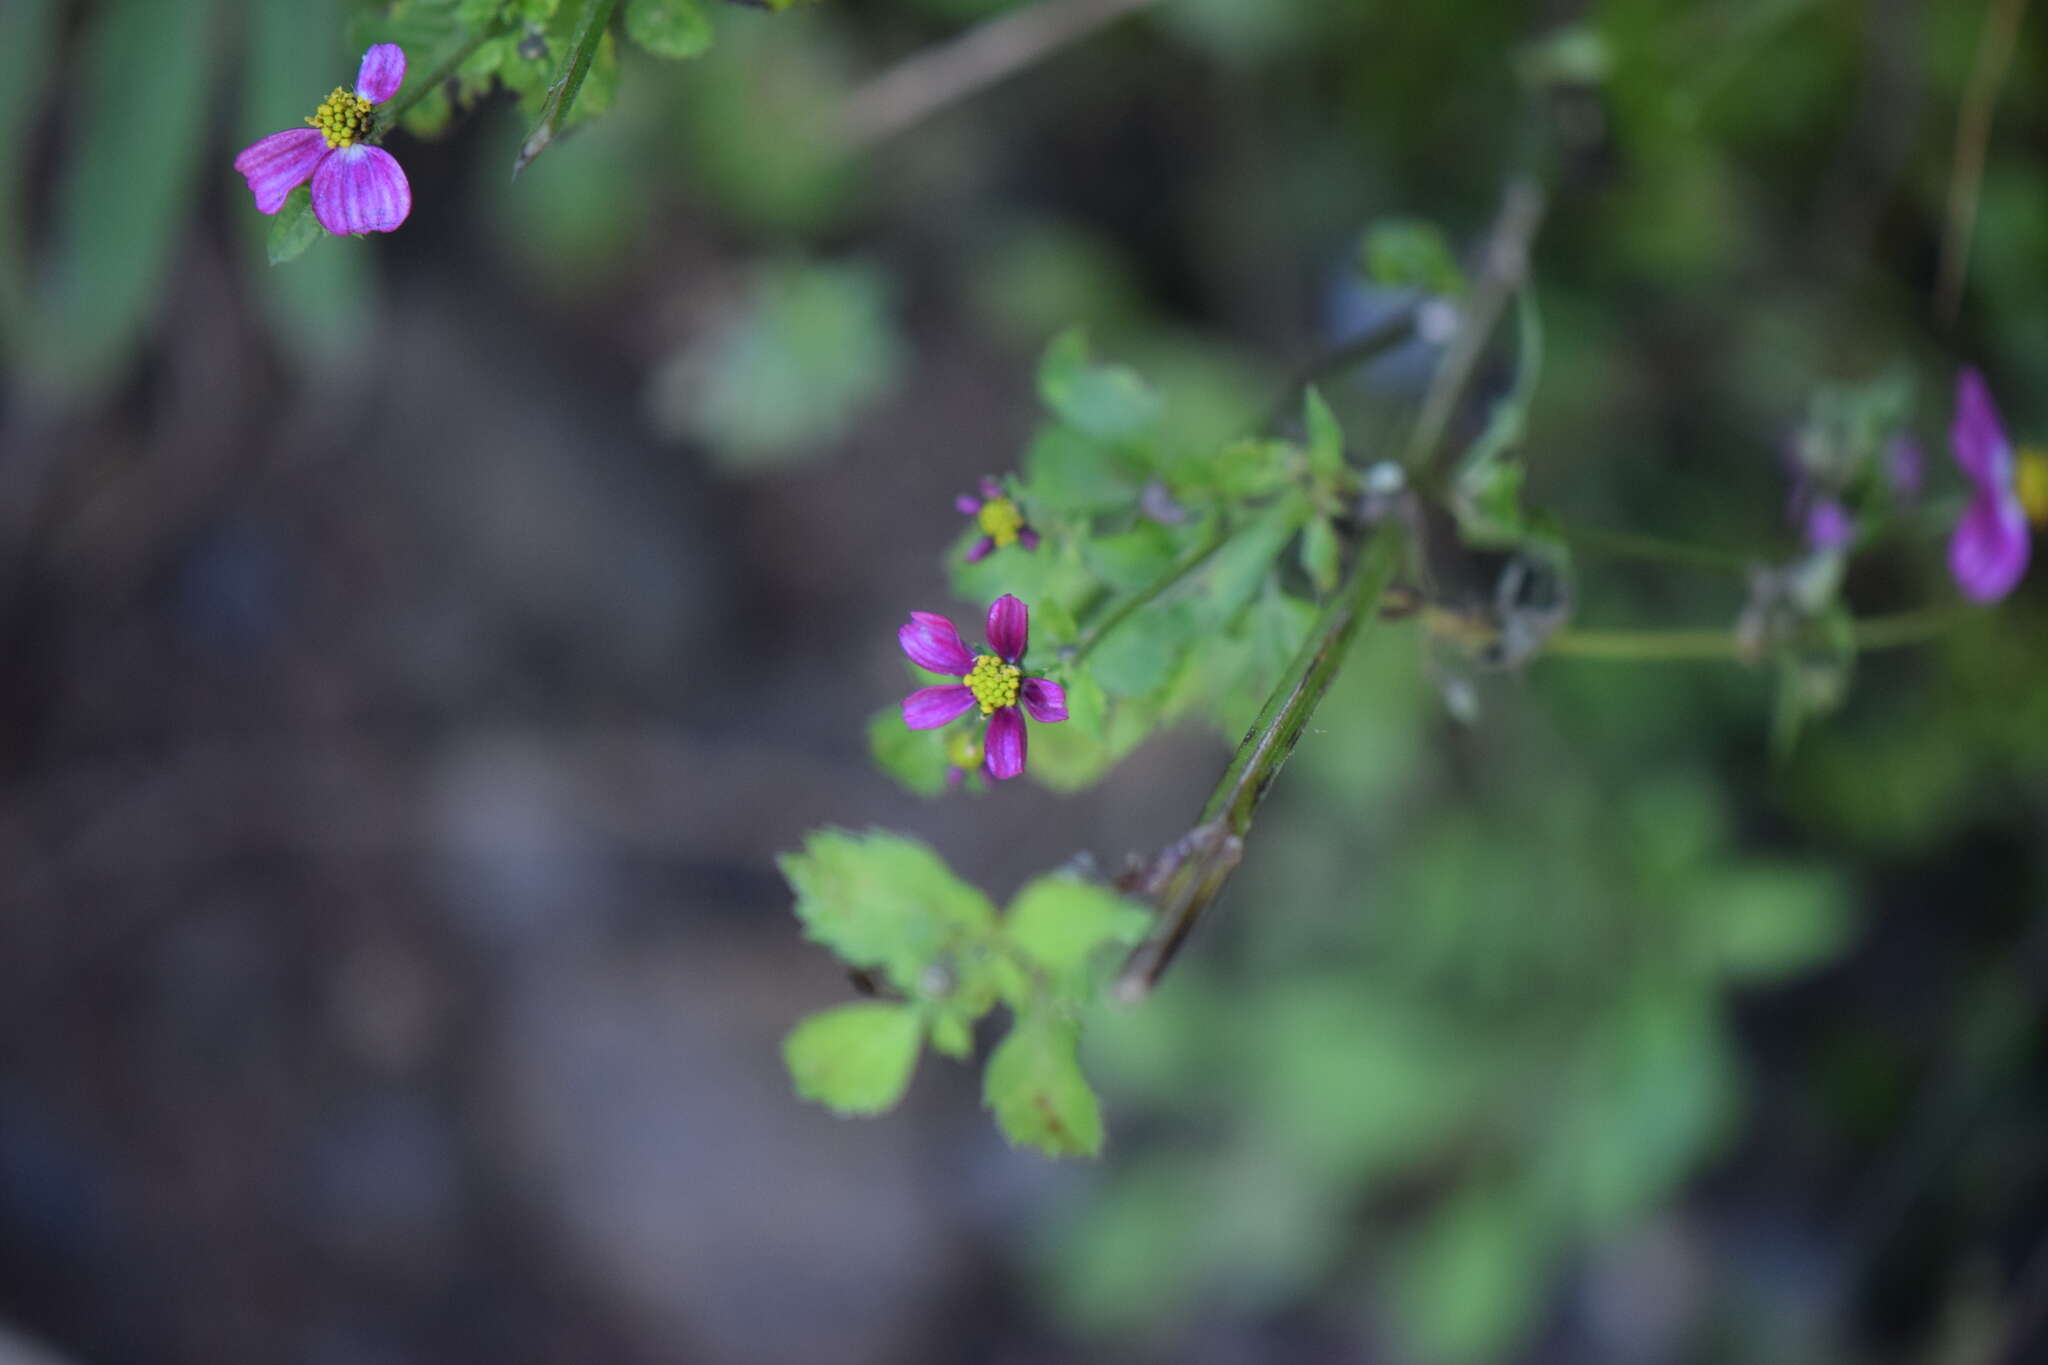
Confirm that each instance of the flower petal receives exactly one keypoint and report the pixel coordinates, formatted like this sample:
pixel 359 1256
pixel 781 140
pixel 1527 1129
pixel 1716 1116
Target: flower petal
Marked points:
pixel 1905 467
pixel 934 643
pixel 382 72
pixel 360 189
pixel 1989 550
pixel 930 707
pixel 1028 538
pixel 1005 743
pixel 1044 700
pixel 980 550
pixel 990 488
pixel 968 506
pixel 1977 435
pixel 1009 627
pixel 279 164
pixel 1828 526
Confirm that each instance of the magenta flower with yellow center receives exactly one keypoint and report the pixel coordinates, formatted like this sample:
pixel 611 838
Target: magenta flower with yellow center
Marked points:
pixel 1988 552
pixel 1000 518
pixel 993 680
pixel 356 187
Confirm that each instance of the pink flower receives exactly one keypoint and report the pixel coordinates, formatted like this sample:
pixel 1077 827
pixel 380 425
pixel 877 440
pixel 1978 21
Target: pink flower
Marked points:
pixel 994 681
pixel 1001 520
pixel 356 187
pixel 1988 552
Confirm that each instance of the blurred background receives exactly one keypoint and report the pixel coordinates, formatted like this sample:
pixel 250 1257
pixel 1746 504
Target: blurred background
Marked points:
pixel 412 658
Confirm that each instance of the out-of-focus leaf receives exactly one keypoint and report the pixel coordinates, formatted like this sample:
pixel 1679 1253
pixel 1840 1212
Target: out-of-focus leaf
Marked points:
pixel 669 28
pixel 127 183
pixel 810 347
pixel 1072 753
pixel 881 900
pixel 855 1059
pixel 1319 553
pixel 1132 559
pixel 1035 1086
pixel 1141 655
pixel 1066 470
pixel 1062 922
pixel 1409 253
pixel 567 84
pixel 1325 436
pixel 916 758
pixel 28 35
pixel 294 228
pixel 1107 401
pixel 1764 922
pixel 1235 573
pixel 1472 1278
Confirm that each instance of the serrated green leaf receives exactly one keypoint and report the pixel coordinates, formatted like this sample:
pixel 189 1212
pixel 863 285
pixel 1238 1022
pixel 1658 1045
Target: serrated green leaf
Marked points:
pixel 1325 437
pixel 883 901
pixel 854 1059
pixel 1142 654
pixel 1062 922
pixel 1319 553
pixel 916 758
pixel 1107 401
pixel 294 228
pixel 952 1034
pixel 669 28
pixel 1073 753
pixel 1035 1086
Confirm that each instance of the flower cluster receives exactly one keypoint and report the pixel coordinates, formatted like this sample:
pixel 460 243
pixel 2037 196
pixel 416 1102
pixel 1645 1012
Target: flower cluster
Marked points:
pixel 992 681
pixel 356 187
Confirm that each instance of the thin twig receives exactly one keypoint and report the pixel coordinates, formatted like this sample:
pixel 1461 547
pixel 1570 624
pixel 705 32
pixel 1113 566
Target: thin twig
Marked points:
pixel 1193 558
pixel 921 85
pixel 1973 134
pixel 1340 360
pixel 1895 631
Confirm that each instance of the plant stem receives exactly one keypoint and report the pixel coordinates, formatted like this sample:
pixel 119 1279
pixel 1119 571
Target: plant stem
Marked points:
pixel 388 119
pixel 1193 558
pixel 1339 360
pixel 1893 631
pixel 1630 545
pixel 1215 846
pixel 1995 42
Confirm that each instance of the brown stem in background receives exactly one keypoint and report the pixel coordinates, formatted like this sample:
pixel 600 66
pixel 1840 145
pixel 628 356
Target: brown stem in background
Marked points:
pixel 1973 134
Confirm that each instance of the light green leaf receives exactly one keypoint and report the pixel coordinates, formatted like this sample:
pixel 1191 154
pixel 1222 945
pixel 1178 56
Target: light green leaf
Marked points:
pixel 1319 553
pixel 1062 922
pixel 1073 753
pixel 1132 559
pixel 1108 401
pixel 669 28
pixel 1142 654
pixel 1066 470
pixel 1410 253
pixel 916 758
pixel 883 901
pixel 1473 1277
pixel 294 228
pixel 1767 922
pixel 1241 566
pixel 855 1059
pixel 1035 1086
pixel 1325 437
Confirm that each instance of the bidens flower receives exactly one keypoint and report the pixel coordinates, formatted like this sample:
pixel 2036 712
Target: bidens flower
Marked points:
pixel 356 187
pixel 993 681
pixel 1000 519
pixel 1988 552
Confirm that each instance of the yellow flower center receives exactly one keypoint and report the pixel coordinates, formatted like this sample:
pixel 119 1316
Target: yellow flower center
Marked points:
pixel 2030 482
pixel 343 118
pixel 963 750
pixel 1000 521
pixel 994 683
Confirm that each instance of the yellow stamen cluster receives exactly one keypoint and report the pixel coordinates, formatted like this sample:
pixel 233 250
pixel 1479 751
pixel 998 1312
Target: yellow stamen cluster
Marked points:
pixel 1000 521
pixel 994 683
pixel 963 750
pixel 2030 482
pixel 343 118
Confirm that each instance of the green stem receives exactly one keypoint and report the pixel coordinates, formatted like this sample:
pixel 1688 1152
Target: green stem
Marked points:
pixel 1390 333
pixel 1215 846
pixel 388 118
pixel 568 82
pixel 1894 631
pixel 1193 558
pixel 1630 545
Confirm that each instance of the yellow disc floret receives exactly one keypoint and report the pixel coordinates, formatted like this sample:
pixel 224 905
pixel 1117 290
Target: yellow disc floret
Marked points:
pixel 343 118
pixel 1000 521
pixel 2030 482
pixel 994 683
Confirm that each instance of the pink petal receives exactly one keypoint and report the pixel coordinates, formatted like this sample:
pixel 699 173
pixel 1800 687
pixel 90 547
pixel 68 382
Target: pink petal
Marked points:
pixel 1005 743
pixel 1989 550
pixel 1045 700
pixel 980 550
pixel 279 164
pixel 382 72
pixel 360 189
pixel 932 642
pixel 1977 435
pixel 1009 627
pixel 1028 538
pixel 930 707
pixel 968 506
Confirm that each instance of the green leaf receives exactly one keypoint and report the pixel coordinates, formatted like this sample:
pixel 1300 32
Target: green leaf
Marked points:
pixel 294 228
pixel 1768 922
pixel 1473 1277
pixel 1073 753
pixel 567 84
pixel 1062 922
pixel 1325 437
pixel 855 1059
pixel 1142 654
pixel 1241 566
pixel 880 900
pixel 1108 401
pixel 1319 553
pixel 1132 559
pixel 669 28
pixel 1035 1086
pixel 1066 470
pixel 916 758
pixel 1410 253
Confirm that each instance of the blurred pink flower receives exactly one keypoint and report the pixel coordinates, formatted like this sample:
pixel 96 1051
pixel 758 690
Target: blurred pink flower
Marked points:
pixel 356 187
